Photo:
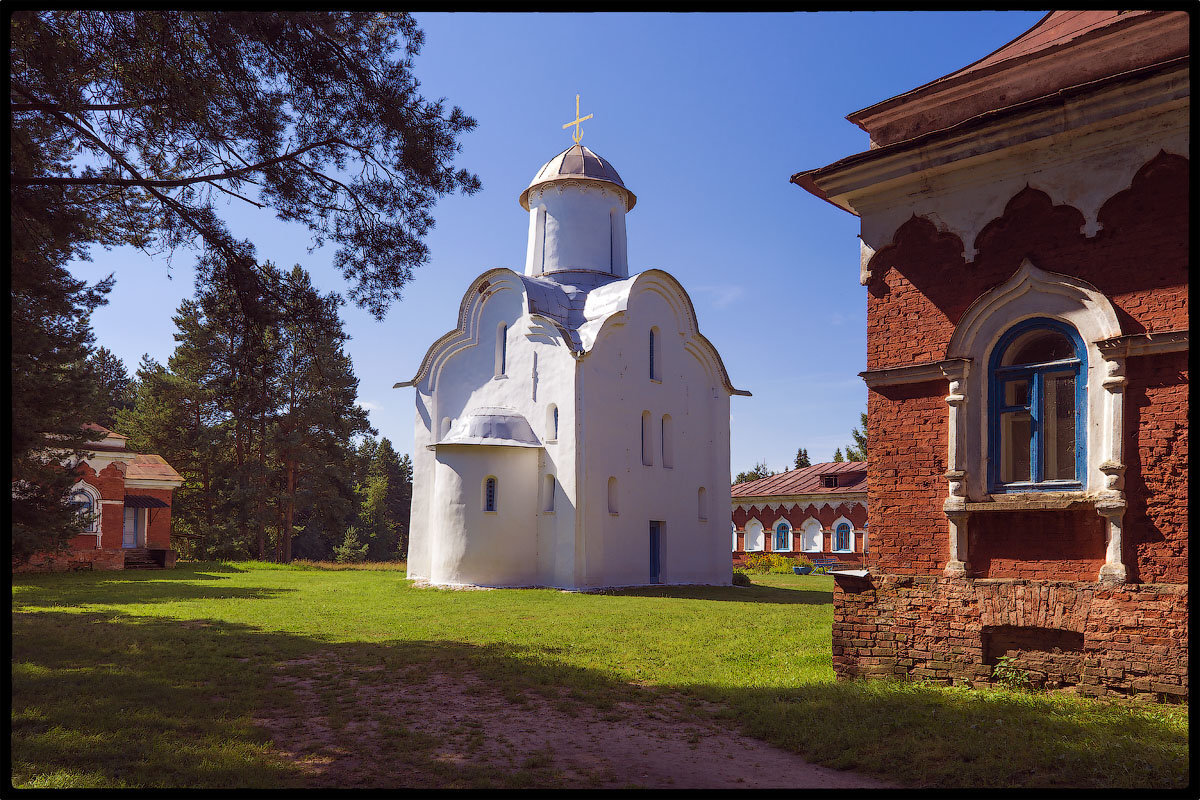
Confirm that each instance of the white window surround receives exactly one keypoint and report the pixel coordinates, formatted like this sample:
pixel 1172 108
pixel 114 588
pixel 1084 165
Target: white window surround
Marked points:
pixel 93 528
pixel 1032 293
pixel 812 536
pixel 833 535
pixel 790 536
pixel 755 542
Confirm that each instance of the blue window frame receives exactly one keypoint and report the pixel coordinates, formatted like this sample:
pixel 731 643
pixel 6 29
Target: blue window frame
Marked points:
pixel 85 507
pixel 1037 406
pixel 781 536
pixel 841 538
pixel 655 551
pixel 556 422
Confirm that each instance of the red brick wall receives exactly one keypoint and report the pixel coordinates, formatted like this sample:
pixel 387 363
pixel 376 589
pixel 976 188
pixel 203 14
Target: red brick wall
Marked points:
pixel 920 286
pixel 1155 536
pixel 159 534
pixel 906 484
pixel 911 621
pixel 1134 637
pixel 1051 545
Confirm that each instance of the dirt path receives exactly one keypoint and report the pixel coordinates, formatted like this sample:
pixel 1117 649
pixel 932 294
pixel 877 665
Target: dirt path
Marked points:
pixel 457 730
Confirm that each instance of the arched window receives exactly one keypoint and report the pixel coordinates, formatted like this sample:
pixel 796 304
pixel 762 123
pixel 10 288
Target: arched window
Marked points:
pixel 1037 408
pixel 647 435
pixel 489 494
pixel 702 503
pixel 668 444
pixel 783 537
pixel 754 536
pixel 552 423
pixel 87 507
pixel 502 349
pixel 842 541
pixel 548 501
pixel 812 540
pixel 612 495
pixel 733 525
pixel 655 355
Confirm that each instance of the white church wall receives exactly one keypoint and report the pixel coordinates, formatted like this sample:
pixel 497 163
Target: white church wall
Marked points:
pixel 615 380
pixel 581 227
pixel 422 492
pixel 474 545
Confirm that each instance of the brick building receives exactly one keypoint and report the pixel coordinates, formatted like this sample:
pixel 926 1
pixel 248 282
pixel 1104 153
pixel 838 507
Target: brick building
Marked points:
pixel 1025 255
pixel 127 496
pixel 816 511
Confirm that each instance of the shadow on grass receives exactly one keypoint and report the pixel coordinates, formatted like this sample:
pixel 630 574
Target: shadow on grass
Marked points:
pixel 130 588
pixel 738 594
pixel 170 703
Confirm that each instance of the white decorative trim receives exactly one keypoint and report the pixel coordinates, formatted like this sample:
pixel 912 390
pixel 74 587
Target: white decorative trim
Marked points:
pixel 791 548
pixel 963 178
pixel 1032 293
pixel 833 526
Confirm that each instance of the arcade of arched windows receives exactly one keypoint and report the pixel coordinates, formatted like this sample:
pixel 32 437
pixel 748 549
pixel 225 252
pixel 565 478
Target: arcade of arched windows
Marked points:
pixel 800 519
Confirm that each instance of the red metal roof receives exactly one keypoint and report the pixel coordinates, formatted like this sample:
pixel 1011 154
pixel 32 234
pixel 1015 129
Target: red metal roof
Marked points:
pixel 1064 49
pixel 807 480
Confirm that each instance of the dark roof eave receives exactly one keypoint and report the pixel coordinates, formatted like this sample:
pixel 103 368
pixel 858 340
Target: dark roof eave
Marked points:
pixel 807 179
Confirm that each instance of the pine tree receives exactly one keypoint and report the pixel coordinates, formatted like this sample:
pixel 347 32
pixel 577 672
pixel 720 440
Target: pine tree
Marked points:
pixel 802 459
pixel 858 450
pixel 837 455
pixel 759 470
pixel 112 388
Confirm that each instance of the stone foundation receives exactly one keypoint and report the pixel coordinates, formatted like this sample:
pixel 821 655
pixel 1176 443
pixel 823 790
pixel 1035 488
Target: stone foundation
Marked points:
pixel 1124 640
pixel 106 558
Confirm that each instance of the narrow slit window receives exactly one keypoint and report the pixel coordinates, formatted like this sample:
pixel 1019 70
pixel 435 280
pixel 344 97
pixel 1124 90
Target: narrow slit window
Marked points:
pixel 489 494
pixel 548 502
pixel 501 349
pixel 647 435
pixel 655 355
pixel 702 503
pixel 668 454
pixel 612 495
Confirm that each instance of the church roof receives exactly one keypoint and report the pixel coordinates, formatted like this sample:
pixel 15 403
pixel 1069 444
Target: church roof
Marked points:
pixel 502 427
pixel 579 163
pixel 852 477
pixel 576 304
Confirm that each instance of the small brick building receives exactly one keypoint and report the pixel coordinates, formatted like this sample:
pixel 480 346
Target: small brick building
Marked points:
pixel 816 511
pixel 128 499
pixel 1025 255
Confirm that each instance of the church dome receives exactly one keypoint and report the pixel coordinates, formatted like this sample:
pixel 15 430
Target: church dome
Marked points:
pixel 578 163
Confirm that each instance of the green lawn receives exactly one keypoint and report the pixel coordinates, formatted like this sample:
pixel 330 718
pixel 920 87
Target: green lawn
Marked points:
pixel 153 678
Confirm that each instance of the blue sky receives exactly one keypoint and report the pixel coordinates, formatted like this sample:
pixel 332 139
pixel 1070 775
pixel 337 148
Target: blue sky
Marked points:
pixel 705 116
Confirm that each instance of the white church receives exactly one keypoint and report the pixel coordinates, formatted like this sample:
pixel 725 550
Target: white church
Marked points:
pixel 573 430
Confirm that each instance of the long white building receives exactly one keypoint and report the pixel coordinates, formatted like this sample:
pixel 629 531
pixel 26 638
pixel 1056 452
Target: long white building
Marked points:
pixel 573 429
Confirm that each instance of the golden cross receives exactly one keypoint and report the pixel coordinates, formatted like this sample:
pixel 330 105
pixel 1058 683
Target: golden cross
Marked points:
pixel 577 135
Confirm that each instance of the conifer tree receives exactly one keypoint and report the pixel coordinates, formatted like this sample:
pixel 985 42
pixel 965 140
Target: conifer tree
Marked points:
pixel 858 450
pixel 802 459
pixel 837 456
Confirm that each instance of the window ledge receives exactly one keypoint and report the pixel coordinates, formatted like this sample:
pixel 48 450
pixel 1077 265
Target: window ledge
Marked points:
pixel 1033 501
